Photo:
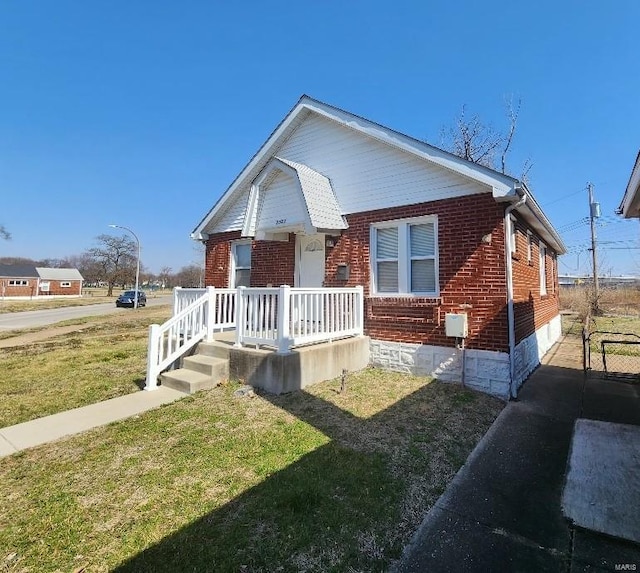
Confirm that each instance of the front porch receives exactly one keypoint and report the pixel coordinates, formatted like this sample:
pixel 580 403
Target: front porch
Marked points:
pixel 280 339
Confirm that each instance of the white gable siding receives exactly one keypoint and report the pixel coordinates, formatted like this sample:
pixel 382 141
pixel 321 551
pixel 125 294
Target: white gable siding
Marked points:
pixel 366 174
pixel 232 218
pixel 281 204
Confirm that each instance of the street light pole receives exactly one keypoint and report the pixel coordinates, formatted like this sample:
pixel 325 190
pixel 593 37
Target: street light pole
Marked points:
pixel 135 301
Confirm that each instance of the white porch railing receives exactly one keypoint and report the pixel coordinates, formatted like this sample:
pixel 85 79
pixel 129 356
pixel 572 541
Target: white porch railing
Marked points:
pixel 197 314
pixel 281 318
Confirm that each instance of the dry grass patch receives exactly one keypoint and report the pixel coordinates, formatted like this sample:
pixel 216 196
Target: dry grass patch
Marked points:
pixel 311 481
pixel 105 359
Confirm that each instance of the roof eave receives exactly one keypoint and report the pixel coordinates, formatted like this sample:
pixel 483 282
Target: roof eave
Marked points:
pixel 630 205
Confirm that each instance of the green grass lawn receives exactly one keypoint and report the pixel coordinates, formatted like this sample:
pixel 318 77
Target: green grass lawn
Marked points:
pixel 316 480
pixel 107 358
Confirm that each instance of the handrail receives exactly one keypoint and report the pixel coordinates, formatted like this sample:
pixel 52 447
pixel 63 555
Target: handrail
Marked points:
pixel 213 309
pixel 280 317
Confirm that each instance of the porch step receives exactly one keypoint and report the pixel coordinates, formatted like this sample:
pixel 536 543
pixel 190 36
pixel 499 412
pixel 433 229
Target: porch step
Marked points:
pixel 216 349
pixel 198 372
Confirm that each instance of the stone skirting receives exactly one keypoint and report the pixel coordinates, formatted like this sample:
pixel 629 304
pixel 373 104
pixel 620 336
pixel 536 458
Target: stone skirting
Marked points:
pixel 484 370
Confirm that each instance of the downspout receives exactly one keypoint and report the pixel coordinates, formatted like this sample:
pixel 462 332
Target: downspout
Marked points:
pixel 511 324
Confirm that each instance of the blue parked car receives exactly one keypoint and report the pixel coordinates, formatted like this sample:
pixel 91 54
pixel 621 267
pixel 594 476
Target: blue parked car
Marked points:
pixel 128 297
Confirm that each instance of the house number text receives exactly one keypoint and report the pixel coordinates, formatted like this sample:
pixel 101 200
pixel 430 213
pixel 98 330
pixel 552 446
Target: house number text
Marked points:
pixel 280 221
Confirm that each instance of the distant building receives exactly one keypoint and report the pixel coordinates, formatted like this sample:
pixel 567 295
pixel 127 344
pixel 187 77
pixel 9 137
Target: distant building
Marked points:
pixel 28 281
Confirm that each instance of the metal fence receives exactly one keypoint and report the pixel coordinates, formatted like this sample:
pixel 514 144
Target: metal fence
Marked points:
pixel 610 355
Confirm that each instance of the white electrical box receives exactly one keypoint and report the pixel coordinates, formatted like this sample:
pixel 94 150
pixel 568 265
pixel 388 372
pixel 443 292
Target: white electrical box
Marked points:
pixel 456 324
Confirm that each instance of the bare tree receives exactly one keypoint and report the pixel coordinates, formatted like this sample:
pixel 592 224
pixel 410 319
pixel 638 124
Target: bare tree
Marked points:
pixel 480 143
pixel 6 235
pixel 189 276
pixel 165 276
pixel 115 259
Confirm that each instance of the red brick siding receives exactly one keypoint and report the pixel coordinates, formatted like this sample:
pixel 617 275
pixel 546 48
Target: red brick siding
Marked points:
pixel 56 288
pixel 218 259
pixel 273 262
pixel 29 290
pixel 471 273
pixel 531 310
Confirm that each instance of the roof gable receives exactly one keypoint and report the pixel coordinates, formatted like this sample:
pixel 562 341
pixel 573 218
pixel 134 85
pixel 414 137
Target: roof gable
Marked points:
pixel 240 196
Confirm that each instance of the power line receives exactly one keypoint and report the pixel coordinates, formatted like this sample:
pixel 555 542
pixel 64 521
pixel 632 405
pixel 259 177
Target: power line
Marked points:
pixel 563 198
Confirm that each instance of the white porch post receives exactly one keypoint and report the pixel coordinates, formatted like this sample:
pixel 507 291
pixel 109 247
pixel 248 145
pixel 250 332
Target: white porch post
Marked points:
pixel 284 319
pixel 211 312
pixel 240 316
pixel 360 309
pixel 153 358
pixel 175 300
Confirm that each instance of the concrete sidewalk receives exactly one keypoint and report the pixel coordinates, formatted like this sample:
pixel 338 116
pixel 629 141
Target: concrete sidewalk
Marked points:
pixel 502 512
pixel 50 428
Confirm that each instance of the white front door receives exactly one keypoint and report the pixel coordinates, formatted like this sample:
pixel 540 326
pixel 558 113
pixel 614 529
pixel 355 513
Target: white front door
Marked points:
pixel 310 259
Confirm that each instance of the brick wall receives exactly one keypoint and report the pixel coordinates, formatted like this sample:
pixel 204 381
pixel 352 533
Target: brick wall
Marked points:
pixel 273 262
pixel 56 288
pixel 217 259
pixel 531 309
pixel 29 290
pixel 472 273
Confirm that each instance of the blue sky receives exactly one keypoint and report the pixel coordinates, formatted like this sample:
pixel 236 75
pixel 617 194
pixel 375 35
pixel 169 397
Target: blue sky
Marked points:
pixel 142 113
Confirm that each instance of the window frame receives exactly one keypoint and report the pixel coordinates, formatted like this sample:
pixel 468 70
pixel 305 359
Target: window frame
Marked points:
pixel 65 284
pixel 529 247
pixel 404 256
pixel 542 256
pixel 233 267
pixel 18 282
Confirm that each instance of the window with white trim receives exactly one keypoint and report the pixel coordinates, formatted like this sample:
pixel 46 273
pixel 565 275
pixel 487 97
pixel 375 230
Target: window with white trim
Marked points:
pixel 404 256
pixel 543 269
pixel 65 284
pixel 240 264
pixel 529 247
pixel 17 282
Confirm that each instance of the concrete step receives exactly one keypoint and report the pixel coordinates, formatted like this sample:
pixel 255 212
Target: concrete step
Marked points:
pixel 188 381
pixel 217 368
pixel 216 349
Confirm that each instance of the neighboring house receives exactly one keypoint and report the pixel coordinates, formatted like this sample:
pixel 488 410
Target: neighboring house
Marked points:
pixel 60 282
pixel 630 205
pixel 332 199
pixel 18 280
pixel 28 281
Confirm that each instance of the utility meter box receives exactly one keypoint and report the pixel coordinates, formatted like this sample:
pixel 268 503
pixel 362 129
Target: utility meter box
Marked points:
pixel 456 324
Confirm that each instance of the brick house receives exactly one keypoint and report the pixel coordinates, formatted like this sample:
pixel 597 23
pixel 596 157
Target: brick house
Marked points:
pixel 18 280
pixel 333 200
pixel 29 281
pixel 60 282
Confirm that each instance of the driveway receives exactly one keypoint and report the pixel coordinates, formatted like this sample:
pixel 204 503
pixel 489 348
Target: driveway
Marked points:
pixel 36 318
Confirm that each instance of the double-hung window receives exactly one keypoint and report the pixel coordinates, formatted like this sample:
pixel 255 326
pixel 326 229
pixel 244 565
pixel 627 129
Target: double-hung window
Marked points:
pixel 404 256
pixel 241 264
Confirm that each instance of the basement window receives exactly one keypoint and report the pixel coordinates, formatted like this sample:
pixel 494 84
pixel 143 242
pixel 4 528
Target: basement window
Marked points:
pixel 65 284
pixel 14 282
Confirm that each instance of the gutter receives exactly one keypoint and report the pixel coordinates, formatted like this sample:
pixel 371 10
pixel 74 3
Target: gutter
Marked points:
pixel 511 325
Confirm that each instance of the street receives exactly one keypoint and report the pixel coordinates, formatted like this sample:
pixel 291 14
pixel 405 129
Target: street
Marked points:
pixel 36 318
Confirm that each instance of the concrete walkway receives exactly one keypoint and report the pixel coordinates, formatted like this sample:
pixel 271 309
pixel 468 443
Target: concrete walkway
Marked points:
pixel 503 510
pixel 50 428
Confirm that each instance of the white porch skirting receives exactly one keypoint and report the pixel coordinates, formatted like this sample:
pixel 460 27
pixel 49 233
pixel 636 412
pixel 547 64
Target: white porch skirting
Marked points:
pixel 486 371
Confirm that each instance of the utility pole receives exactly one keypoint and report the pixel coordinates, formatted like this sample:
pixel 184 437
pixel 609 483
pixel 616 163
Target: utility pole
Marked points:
pixel 594 213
